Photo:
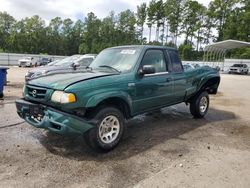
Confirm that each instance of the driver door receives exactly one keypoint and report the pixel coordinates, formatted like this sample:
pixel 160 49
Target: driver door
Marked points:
pixel 153 90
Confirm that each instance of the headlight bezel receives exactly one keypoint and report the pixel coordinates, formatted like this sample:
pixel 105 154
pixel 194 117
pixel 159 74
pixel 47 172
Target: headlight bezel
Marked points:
pixel 24 89
pixel 63 97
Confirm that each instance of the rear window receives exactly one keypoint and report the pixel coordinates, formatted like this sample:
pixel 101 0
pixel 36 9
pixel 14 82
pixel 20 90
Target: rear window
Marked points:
pixel 237 65
pixel 85 61
pixel 175 60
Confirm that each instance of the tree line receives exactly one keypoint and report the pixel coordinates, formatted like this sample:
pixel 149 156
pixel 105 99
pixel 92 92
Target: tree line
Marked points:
pixel 166 22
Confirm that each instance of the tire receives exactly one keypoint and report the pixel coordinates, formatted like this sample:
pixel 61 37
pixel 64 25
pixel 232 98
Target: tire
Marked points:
pixel 199 105
pixel 100 138
pixel 1 95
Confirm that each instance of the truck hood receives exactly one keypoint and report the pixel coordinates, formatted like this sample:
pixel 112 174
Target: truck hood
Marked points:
pixel 61 81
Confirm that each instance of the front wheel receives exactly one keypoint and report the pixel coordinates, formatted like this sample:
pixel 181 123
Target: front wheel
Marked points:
pixel 108 129
pixel 199 105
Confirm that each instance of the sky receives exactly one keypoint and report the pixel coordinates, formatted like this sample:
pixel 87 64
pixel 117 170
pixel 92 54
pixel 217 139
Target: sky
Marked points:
pixel 74 9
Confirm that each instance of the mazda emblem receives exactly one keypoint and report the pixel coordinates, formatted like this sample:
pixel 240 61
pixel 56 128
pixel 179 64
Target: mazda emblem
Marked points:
pixel 34 93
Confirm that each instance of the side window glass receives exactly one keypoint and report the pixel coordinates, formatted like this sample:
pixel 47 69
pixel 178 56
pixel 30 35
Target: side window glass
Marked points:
pixel 175 60
pixel 156 59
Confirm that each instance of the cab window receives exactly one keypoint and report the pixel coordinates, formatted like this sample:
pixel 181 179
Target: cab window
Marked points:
pixel 156 59
pixel 175 60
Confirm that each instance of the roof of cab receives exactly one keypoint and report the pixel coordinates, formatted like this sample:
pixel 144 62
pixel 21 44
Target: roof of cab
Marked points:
pixel 144 47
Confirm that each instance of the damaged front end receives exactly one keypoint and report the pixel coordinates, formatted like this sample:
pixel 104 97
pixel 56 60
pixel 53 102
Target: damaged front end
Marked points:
pixel 42 116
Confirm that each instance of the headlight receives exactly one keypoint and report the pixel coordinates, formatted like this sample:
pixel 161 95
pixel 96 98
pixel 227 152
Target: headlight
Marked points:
pixel 62 97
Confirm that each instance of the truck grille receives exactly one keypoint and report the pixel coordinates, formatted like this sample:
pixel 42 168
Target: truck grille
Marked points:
pixel 36 92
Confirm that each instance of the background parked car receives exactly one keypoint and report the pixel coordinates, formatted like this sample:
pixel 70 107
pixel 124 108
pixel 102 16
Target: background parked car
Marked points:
pixel 188 67
pixel 26 62
pixel 43 61
pixel 238 68
pixel 196 65
pixel 68 64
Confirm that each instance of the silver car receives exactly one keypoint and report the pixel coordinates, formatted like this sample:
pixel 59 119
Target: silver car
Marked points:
pixel 238 68
pixel 26 62
pixel 69 64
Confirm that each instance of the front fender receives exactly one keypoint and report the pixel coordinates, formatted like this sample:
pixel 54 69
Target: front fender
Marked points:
pixel 98 98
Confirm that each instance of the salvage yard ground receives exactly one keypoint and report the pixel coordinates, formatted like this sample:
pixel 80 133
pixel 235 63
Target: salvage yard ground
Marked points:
pixel 162 149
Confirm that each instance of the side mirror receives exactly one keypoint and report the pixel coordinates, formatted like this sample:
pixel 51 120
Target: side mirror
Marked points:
pixel 147 69
pixel 75 65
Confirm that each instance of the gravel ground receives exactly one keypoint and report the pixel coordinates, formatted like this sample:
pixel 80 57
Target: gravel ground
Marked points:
pixel 163 149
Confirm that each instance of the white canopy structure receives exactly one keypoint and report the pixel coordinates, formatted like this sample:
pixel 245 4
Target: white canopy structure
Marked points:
pixel 216 52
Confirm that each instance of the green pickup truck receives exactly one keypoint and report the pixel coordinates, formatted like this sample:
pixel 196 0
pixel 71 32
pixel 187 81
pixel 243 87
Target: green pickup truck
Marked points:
pixel 120 83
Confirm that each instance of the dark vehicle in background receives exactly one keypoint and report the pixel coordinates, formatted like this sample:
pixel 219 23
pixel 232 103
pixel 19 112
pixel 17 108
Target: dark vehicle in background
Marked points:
pixel 196 65
pixel 239 68
pixel 69 64
pixel 43 61
pixel 188 67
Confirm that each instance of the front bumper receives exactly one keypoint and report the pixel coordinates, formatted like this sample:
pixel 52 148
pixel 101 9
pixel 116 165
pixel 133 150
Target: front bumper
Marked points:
pixel 51 118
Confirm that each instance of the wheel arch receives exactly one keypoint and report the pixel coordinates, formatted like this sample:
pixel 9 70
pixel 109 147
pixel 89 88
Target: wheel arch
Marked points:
pixel 122 101
pixel 209 84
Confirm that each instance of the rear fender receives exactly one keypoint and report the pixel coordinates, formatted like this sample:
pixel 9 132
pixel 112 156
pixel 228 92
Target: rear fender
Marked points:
pixel 204 81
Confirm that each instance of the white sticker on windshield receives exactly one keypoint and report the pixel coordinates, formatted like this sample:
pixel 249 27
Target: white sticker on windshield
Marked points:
pixel 128 52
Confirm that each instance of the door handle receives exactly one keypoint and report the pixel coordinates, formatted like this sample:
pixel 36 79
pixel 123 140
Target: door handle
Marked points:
pixel 168 79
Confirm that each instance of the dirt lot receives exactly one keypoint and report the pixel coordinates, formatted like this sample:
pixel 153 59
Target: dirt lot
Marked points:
pixel 164 149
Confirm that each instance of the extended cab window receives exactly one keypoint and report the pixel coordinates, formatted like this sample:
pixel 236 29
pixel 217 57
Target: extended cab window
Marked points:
pixel 175 60
pixel 156 59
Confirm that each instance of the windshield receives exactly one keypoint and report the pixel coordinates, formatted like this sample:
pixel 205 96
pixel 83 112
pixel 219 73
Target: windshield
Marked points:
pixel 116 59
pixel 237 65
pixel 68 60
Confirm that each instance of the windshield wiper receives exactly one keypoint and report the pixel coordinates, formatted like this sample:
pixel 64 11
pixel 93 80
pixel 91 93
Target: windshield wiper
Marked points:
pixel 110 68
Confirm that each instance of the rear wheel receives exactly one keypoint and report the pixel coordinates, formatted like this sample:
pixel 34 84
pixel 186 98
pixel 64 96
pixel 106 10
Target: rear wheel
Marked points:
pixel 199 105
pixel 107 131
